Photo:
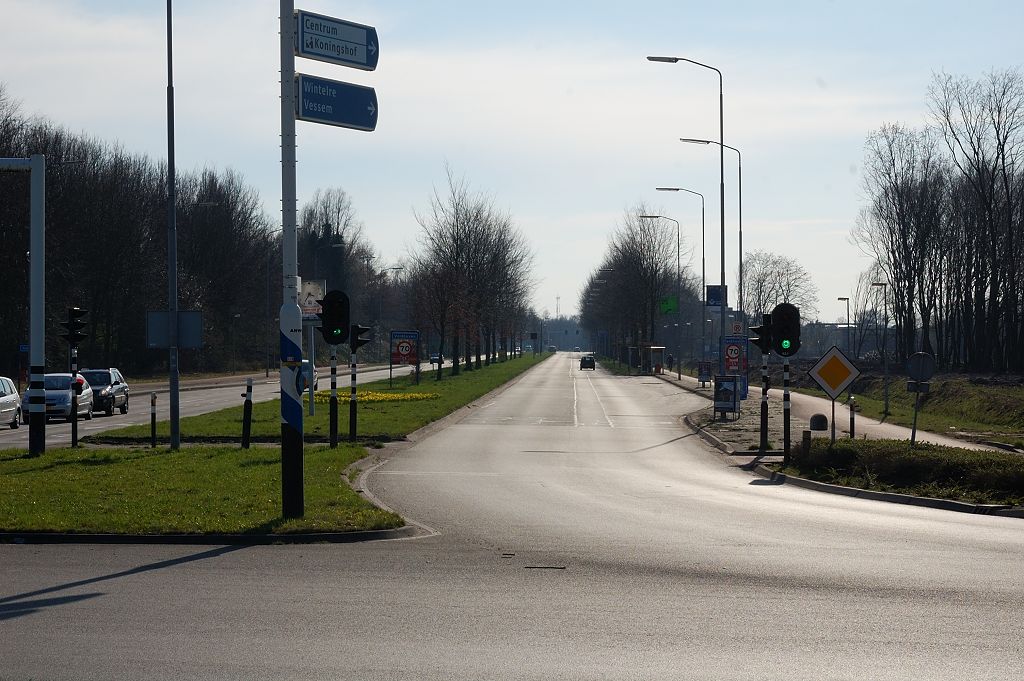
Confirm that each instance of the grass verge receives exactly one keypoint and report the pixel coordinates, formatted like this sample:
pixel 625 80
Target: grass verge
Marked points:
pixel 380 420
pixel 195 490
pixel 925 470
pixel 206 489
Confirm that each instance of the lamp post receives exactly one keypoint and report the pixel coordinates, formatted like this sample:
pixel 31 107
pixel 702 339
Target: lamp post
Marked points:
pixel 679 298
pixel 849 393
pixel 721 189
pixel 847 299
pixel 739 176
pixel 703 281
pixel 885 343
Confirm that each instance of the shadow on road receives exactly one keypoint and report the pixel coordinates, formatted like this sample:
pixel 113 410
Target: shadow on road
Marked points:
pixel 15 606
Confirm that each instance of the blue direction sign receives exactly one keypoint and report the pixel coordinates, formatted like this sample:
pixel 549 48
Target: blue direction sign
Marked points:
pixel 335 103
pixel 335 41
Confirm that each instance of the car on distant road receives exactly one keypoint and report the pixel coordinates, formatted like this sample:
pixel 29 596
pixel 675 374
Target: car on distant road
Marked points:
pixel 435 358
pixel 109 390
pixel 10 403
pixel 588 362
pixel 305 376
pixel 57 389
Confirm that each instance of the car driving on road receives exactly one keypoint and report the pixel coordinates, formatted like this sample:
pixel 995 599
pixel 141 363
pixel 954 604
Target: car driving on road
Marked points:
pixel 109 389
pixel 588 362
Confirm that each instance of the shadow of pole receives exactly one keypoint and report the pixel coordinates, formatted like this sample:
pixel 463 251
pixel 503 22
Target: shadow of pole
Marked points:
pixel 13 606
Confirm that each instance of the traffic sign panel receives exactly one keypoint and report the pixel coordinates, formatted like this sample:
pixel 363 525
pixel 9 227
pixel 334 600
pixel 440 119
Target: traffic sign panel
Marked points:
pixel 333 102
pixel 335 40
pixel 834 372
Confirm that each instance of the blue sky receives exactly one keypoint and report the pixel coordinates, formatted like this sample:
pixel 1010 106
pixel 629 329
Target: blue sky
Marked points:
pixel 550 108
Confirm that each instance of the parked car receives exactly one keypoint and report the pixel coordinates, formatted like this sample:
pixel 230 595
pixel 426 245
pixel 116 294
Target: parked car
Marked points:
pixel 10 403
pixel 588 362
pixel 305 376
pixel 57 390
pixel 435 358
pixel 109 389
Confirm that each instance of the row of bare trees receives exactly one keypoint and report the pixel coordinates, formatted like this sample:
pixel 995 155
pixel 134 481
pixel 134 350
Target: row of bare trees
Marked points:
pixel 944 223
pixel 470 279
pixel 107 240
pixel 631 296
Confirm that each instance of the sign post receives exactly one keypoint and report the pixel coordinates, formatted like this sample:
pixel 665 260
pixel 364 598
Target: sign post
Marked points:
pixel 920 368
pixel 834 373
pixel 319 100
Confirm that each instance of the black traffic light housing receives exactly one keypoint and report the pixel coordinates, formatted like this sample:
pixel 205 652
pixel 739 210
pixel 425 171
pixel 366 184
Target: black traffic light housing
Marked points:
pixel 334 317
pixel 73 326
pixel 355 337
pixel 786 329
pixel 763 340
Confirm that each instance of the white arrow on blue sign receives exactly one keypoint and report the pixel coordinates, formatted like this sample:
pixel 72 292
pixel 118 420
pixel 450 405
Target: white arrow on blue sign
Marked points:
pixel 335 40
pixel 333 102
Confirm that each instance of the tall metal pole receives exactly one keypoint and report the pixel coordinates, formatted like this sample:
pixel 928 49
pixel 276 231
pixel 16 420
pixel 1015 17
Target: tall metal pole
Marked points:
pixel 703 279
pixel 885 343
pixel 290 315
pixel 37 314
pixel 172 251
pixel 721 198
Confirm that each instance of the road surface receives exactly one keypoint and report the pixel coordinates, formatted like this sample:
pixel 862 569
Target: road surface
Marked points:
pixel 572 530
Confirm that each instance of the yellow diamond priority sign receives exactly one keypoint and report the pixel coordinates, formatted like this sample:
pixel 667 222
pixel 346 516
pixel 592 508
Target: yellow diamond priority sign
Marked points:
pixel 834 372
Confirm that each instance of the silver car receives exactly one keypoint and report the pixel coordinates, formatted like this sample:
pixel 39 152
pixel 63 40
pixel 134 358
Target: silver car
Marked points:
pixel 10 403
pixel 58 397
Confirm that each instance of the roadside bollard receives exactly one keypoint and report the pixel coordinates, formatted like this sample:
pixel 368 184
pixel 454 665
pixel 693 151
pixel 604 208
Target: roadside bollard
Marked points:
pixel 152 420
pixel 247 414
pixel 853 411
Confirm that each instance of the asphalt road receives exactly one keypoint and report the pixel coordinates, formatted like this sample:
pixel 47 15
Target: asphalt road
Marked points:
pixel 195 397
pixel 572 530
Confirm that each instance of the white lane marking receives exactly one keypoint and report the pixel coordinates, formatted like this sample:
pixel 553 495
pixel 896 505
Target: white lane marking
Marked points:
pixel 575 399
pixel 599 402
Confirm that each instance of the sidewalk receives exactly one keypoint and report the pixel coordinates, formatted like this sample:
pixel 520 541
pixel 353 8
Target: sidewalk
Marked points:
pixel 742 433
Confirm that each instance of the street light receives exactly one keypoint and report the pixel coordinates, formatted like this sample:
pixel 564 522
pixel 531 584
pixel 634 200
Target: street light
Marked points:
pixel 847 299
pixel 703 281
pixel 885 343
pixel 721 188
pixel 679 297
pixel 849 393
pixel 740 194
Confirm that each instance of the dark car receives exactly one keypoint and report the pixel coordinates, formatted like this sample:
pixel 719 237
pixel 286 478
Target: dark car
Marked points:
pixel 109 390
pixel 588 362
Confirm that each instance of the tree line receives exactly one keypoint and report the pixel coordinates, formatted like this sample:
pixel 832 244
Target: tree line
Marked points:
pixel 107 245
pixel 944 222
pixel 631 298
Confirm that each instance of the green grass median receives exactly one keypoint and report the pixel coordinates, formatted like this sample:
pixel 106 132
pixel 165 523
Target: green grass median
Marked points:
pixel 116 485
pixel 386 410
pixel 195 490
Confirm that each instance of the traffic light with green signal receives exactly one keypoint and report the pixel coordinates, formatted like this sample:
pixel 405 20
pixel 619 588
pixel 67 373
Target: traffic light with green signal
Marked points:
pixel 355 337
pixel 763 340
pixel 786 329
pixel 334 317
pixel 73 326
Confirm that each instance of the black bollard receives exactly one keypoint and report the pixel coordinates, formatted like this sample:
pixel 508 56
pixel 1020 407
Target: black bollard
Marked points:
pixel 247 414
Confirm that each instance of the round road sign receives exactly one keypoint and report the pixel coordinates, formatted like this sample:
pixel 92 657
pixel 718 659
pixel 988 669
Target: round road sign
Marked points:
pixel 404 347
pixel 920 366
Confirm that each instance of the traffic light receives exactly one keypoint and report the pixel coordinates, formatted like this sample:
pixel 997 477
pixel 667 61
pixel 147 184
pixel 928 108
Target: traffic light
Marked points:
pixel 764 334
pixel 355 337
pixel 786 329
pixel 73 326
pixel 334 311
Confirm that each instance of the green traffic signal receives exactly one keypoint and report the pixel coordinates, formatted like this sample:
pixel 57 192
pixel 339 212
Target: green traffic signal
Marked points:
pixel 786 344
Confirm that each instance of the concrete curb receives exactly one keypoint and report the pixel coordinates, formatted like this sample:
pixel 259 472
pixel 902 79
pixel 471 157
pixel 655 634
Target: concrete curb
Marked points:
pixel 208 539
pixel 892 497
